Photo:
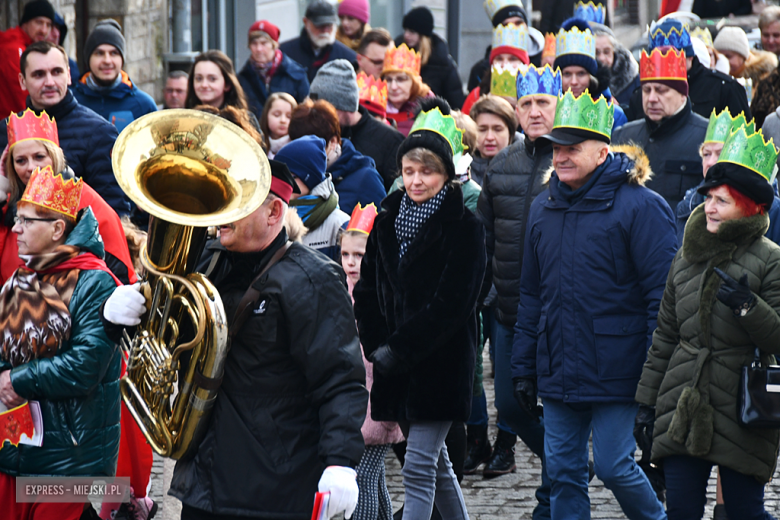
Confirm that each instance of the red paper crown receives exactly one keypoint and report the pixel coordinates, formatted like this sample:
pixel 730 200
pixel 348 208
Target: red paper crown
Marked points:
pixel 362 218
pixel 53 192
pixel 30 126
pixel 373 93
pixel 549 46
pixel 668 64
pixel 402 59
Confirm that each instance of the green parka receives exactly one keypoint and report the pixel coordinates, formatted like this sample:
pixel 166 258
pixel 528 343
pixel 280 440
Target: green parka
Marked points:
pixel 78 388
pixel 693 368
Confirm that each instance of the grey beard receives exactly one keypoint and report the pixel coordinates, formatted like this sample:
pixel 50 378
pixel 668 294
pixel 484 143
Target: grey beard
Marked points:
pixel 323 41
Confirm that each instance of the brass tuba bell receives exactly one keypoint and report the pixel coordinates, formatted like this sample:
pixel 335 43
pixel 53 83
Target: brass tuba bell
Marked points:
pixel 188 170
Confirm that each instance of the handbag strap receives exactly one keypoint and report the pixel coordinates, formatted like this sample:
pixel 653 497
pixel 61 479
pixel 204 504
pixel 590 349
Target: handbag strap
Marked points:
pixel 252 295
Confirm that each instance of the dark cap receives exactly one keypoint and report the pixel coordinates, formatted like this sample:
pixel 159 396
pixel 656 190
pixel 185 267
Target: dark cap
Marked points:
pixel 282 182
pixel 320 12
pixel 571 136
pixel 745 181
pixel 35 9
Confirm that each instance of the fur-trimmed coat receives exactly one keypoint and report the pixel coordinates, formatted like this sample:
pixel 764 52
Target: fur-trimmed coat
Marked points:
pixel 766 97
pixel 592 280
pixel 693 368
pixel 423 307
pixel 625 76
pixel 759 65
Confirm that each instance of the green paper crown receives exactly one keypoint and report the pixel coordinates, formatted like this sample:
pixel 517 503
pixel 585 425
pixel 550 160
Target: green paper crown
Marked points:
pixel 584 113
pixel 434 121
pixel 751 152
pixel 722 125
pixel 503 81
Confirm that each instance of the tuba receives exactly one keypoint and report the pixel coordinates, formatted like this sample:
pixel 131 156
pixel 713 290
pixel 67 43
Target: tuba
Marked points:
pixel 189 170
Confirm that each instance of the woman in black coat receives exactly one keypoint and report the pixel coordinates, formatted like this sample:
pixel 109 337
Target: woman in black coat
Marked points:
pixel 415 308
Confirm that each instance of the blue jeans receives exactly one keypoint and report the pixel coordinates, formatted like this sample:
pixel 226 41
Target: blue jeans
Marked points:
pixel 512 418
pixel 479 413
pixel 686 490
pixel 568 428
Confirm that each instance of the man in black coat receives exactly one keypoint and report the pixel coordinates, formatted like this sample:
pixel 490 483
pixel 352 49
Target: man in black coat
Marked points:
pixel 317 43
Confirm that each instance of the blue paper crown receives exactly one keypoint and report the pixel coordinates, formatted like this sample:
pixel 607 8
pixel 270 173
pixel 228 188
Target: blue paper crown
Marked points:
pixel 679 38
pixel 575 41
pixel 590 12
pixel 542 81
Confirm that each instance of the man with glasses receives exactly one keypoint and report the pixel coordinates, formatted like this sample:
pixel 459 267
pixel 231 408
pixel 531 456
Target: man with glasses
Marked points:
pixel 371 51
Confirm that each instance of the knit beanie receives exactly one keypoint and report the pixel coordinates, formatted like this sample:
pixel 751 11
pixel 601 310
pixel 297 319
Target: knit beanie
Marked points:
pixel 336 83
pixel 106 31
pixel 578 59
pixel 37 8
pixel 508 12
pixel 733 39
pixel 267 27
pixel 356 9
pixel 420 20
pixel 306 159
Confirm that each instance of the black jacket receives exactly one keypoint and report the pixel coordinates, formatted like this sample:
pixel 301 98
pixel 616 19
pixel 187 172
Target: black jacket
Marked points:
pixel 441 72
pixel 299 49
pixel 673 149
pixel 87 140
pixel 707 89
pixel 512 182
pixel 424 308
pixel 378 141
pixel 721 8
pixel 289 77
pixel 292 399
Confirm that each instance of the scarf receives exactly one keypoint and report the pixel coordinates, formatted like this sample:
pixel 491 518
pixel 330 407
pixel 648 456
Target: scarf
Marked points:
pixel 266 71
pixel 102 89
pixel 412 216
pixel 276 145
pixel 574 196
pixel 313 209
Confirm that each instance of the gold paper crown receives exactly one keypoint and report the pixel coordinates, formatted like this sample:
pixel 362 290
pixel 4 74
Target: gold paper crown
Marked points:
pixel 503 81
pixel 372 93
pixel 704 34
pixel 511 35
pixel 30 126
pixel 53 192
pixel 575 41
pixel 549 46
pixel 402 59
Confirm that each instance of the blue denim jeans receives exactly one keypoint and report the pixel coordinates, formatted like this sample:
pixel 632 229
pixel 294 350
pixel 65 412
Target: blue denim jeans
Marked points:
pixel 479 413
pixel 568 428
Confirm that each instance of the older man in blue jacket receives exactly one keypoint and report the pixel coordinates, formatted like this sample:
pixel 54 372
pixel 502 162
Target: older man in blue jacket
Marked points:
pixel 598 247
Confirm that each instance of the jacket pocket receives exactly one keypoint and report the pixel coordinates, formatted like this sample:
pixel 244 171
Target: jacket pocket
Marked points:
pixel 542 348
pixel 620 255
pixel 679 177
pixel 621 345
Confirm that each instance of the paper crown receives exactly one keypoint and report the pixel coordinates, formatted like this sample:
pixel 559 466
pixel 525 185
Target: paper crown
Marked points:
pixel 30 126
pixel 503 80
pixel 542 81
pixel 372 93
pixel 402 59
pixel 511 35
pixel 590 12
pixel 751 152
pixel 494 6
pixel 575 41
pixel 704 34
pixel 434 121
pixel 677 38
pixel 53 192
pixel 660 65
pixel 722 125
pixel 362 219
pixel 584 113
pixel 549 46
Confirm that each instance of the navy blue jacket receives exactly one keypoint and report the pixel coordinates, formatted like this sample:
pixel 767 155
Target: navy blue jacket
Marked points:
pixel 624 96
pixel 592 280
pixel 356 179
pixel 289 77
pixel 87 140
pixel 300 50
pixel 120 106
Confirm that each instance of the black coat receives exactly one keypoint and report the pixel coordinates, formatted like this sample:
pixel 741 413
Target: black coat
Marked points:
pixel 292 399
pixel 289 77
pixel 378 141
pixel 299 49
pixel 423 307
pixel 441 72
pixel 673 150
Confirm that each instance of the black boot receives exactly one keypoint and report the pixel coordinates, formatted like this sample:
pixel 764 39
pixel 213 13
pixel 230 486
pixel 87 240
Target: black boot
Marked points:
pixel 503 459
pixel 477 448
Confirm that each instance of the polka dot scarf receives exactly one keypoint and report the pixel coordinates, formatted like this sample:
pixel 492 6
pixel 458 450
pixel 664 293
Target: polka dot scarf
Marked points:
pixel 412 216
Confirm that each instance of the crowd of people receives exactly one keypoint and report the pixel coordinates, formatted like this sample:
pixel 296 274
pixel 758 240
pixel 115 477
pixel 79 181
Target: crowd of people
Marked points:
pixel 606 225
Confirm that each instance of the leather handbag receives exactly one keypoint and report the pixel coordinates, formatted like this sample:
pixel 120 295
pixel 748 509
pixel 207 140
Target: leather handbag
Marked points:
pixel 758 402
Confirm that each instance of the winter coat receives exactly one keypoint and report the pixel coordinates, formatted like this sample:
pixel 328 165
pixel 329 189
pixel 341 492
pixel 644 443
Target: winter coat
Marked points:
pixel 120 106
pixel 699 348
pixel 441 72
pixel 377 140
pixel 13 42
pixel 625 76
pixel 771 127
pixel 759 65
pixel 593 276
pixel 511 184
pixel 292 398
pixel 356 179
pixel 77 388
pixel 766 97
pixel 87 140
pixel 673 149
pixel 404 117
pixel 424 307
pixel 300 50
pixel 722 8
pixel 289 77
pixel 479 167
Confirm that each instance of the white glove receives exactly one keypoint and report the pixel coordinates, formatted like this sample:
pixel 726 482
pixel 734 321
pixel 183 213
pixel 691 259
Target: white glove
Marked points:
pixel 341 481
pixel 125 306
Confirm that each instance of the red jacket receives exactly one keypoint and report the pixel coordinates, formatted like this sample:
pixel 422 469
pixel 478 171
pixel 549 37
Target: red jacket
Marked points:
pixel 13 42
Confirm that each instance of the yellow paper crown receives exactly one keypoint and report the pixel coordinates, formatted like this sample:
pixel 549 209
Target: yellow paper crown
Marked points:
pixel 53 192
pixel 402 59
pixel 575 41
pixel 703 34
pixel 503 81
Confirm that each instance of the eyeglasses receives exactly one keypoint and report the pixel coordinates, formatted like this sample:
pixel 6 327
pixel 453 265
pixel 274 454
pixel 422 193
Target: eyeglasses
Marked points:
pixel 375 62
pixel 24 221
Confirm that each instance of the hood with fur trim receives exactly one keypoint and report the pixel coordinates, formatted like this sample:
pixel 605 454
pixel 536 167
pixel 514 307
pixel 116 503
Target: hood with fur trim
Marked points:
pixel 624 70
pixel 759 65
pixel 639 174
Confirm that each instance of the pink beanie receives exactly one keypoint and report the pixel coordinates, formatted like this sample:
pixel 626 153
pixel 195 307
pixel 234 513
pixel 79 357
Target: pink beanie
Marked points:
pixel 356 9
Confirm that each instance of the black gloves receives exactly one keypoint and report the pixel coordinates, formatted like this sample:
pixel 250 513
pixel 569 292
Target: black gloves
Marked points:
pixel 385 361
pixel 526 396
pixel 643 427
pixel 736 295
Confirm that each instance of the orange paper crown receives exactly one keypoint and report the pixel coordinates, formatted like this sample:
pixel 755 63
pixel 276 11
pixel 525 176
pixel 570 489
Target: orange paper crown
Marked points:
pixel 549 45
pixel 402 59
pixel 373 93
pixel 362 218
pixel 666 66
pixel 53 192
pixel 30 126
